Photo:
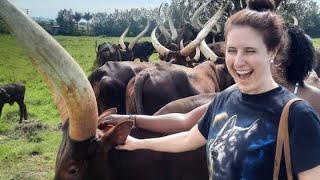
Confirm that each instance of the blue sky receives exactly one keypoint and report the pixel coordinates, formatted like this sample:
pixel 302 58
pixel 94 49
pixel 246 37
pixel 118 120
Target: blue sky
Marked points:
pixel 50 8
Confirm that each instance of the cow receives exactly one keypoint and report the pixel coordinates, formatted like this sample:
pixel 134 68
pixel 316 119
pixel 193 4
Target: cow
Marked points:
pixel 187 104
pixel 156 86
pixel 109 52
pixel 124 51
pixel 85 152
pixel 14 92
pixel 109 83
pixel 141 50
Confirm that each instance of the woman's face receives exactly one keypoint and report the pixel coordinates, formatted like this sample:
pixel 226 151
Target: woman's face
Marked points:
pixel 248 60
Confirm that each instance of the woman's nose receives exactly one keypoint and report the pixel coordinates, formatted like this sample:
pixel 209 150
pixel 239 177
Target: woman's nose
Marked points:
pixel 239 60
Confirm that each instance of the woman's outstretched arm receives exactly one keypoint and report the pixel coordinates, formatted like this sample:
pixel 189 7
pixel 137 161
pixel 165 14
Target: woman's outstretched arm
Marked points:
pixel 165 124
pixel 180 142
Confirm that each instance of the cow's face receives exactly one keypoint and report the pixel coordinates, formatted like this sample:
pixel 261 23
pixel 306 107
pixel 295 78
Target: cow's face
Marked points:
pixel 175 58
pixel 126 55
pixel 107 52
pixel 89 159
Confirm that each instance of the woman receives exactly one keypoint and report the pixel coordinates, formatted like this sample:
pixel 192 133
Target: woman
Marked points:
pixel 298 63
pixel 240 125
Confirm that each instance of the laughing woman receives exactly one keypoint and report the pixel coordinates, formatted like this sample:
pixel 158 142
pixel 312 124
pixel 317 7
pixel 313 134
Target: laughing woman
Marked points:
pixel 240 125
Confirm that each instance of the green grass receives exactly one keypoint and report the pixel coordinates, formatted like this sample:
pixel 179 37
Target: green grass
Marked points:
pixel 28 151
pixel 316 42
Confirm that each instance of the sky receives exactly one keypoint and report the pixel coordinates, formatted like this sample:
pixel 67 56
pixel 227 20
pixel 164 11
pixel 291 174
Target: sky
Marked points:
pixel 50 8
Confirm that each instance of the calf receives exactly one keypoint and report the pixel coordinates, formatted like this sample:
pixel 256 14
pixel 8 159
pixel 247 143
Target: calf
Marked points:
pixel 14 92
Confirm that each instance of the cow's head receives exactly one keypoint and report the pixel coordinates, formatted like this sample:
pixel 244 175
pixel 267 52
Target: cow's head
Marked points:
pixel 89 159
pixel 82 148
pixel 107 52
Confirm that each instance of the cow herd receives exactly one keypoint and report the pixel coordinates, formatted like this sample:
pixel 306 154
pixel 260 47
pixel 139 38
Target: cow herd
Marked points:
pixel 193 72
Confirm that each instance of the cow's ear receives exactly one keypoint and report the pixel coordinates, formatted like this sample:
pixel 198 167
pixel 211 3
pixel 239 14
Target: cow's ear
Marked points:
pixel 118 134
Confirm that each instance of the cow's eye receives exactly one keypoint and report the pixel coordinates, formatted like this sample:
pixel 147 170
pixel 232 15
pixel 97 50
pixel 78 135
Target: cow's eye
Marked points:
pixel 73 170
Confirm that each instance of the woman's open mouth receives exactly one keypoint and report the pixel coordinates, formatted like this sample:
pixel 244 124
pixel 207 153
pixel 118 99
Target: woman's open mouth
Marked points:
pixel 244 74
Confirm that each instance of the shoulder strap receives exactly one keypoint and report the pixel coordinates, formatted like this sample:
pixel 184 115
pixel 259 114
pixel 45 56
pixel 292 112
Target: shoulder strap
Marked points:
pixel 283 141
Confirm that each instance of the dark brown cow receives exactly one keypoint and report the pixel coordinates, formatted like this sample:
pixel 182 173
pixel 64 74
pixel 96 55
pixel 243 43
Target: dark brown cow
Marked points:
pixel 14 92
pixel 185 105
pixel 141 50
pixel 110 52
pixel 155 87
pixel 84 153
pixel 124 51
pixel 109 83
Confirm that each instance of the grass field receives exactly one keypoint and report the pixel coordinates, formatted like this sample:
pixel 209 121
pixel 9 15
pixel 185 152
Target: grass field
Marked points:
pixel 28 151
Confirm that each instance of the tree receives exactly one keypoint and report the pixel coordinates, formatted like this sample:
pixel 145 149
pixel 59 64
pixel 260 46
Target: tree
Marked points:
pixel 306 11
pixel 65 21
pixel 3 28
pixel 77 17
pixel 87 16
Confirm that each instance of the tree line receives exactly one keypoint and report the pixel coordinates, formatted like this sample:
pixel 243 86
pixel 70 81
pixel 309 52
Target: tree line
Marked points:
pixel 113 24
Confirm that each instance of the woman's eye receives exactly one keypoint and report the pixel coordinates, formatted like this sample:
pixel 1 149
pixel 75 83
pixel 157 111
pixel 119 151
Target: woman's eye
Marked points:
pixel 250 51
pixel 231 51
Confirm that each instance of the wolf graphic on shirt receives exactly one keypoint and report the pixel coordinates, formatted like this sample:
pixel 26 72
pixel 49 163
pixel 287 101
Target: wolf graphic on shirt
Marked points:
pixel 236 151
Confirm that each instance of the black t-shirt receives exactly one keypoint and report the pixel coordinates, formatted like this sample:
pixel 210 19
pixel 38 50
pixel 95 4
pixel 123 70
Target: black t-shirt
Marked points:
pixel 241 132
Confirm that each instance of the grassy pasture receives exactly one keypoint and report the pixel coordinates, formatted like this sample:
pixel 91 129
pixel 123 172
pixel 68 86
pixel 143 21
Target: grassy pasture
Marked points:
pixel 28 151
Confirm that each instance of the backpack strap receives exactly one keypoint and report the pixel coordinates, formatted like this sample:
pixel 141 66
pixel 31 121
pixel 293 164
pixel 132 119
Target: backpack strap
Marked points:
pixel 283 142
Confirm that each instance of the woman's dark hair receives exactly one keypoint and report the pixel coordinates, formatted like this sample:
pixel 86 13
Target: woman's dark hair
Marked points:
pixel 260 16
pixel 300 55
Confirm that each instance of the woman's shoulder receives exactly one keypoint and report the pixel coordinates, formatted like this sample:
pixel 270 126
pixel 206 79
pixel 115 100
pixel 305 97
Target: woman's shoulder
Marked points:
pixel 311 95
pixel 303 110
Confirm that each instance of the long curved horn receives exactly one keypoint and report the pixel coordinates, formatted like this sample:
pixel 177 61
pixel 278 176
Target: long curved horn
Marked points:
pixel 183 18
pixel 196 56
pixel 207 52
pixel 162 29
pixel 202 25
pixel 295 21
pixel 58 67
pixel 195 17
pixel 121 40
pixel 136 39
pixel 172 28
pixel 204 32
pixel 159 48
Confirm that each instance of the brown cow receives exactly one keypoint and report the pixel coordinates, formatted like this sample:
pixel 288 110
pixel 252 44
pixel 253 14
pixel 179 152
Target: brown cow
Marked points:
pixel 109 83
pixel 156 86
pixel 84 153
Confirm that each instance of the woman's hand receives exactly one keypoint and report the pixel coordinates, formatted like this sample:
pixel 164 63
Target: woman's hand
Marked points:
pixel 130 144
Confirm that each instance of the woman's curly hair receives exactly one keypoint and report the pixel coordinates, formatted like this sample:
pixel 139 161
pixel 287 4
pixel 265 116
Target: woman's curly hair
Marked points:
pixel 300 59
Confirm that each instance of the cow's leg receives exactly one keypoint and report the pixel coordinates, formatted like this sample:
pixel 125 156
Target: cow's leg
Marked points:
pixel 23 111
pixel 25 115
pixel 1 106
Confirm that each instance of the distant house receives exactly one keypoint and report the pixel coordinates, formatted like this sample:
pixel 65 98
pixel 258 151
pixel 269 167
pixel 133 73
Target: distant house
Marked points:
pixel 54 29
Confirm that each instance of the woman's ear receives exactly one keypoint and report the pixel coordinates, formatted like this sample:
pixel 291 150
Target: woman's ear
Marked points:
pixel 274 52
